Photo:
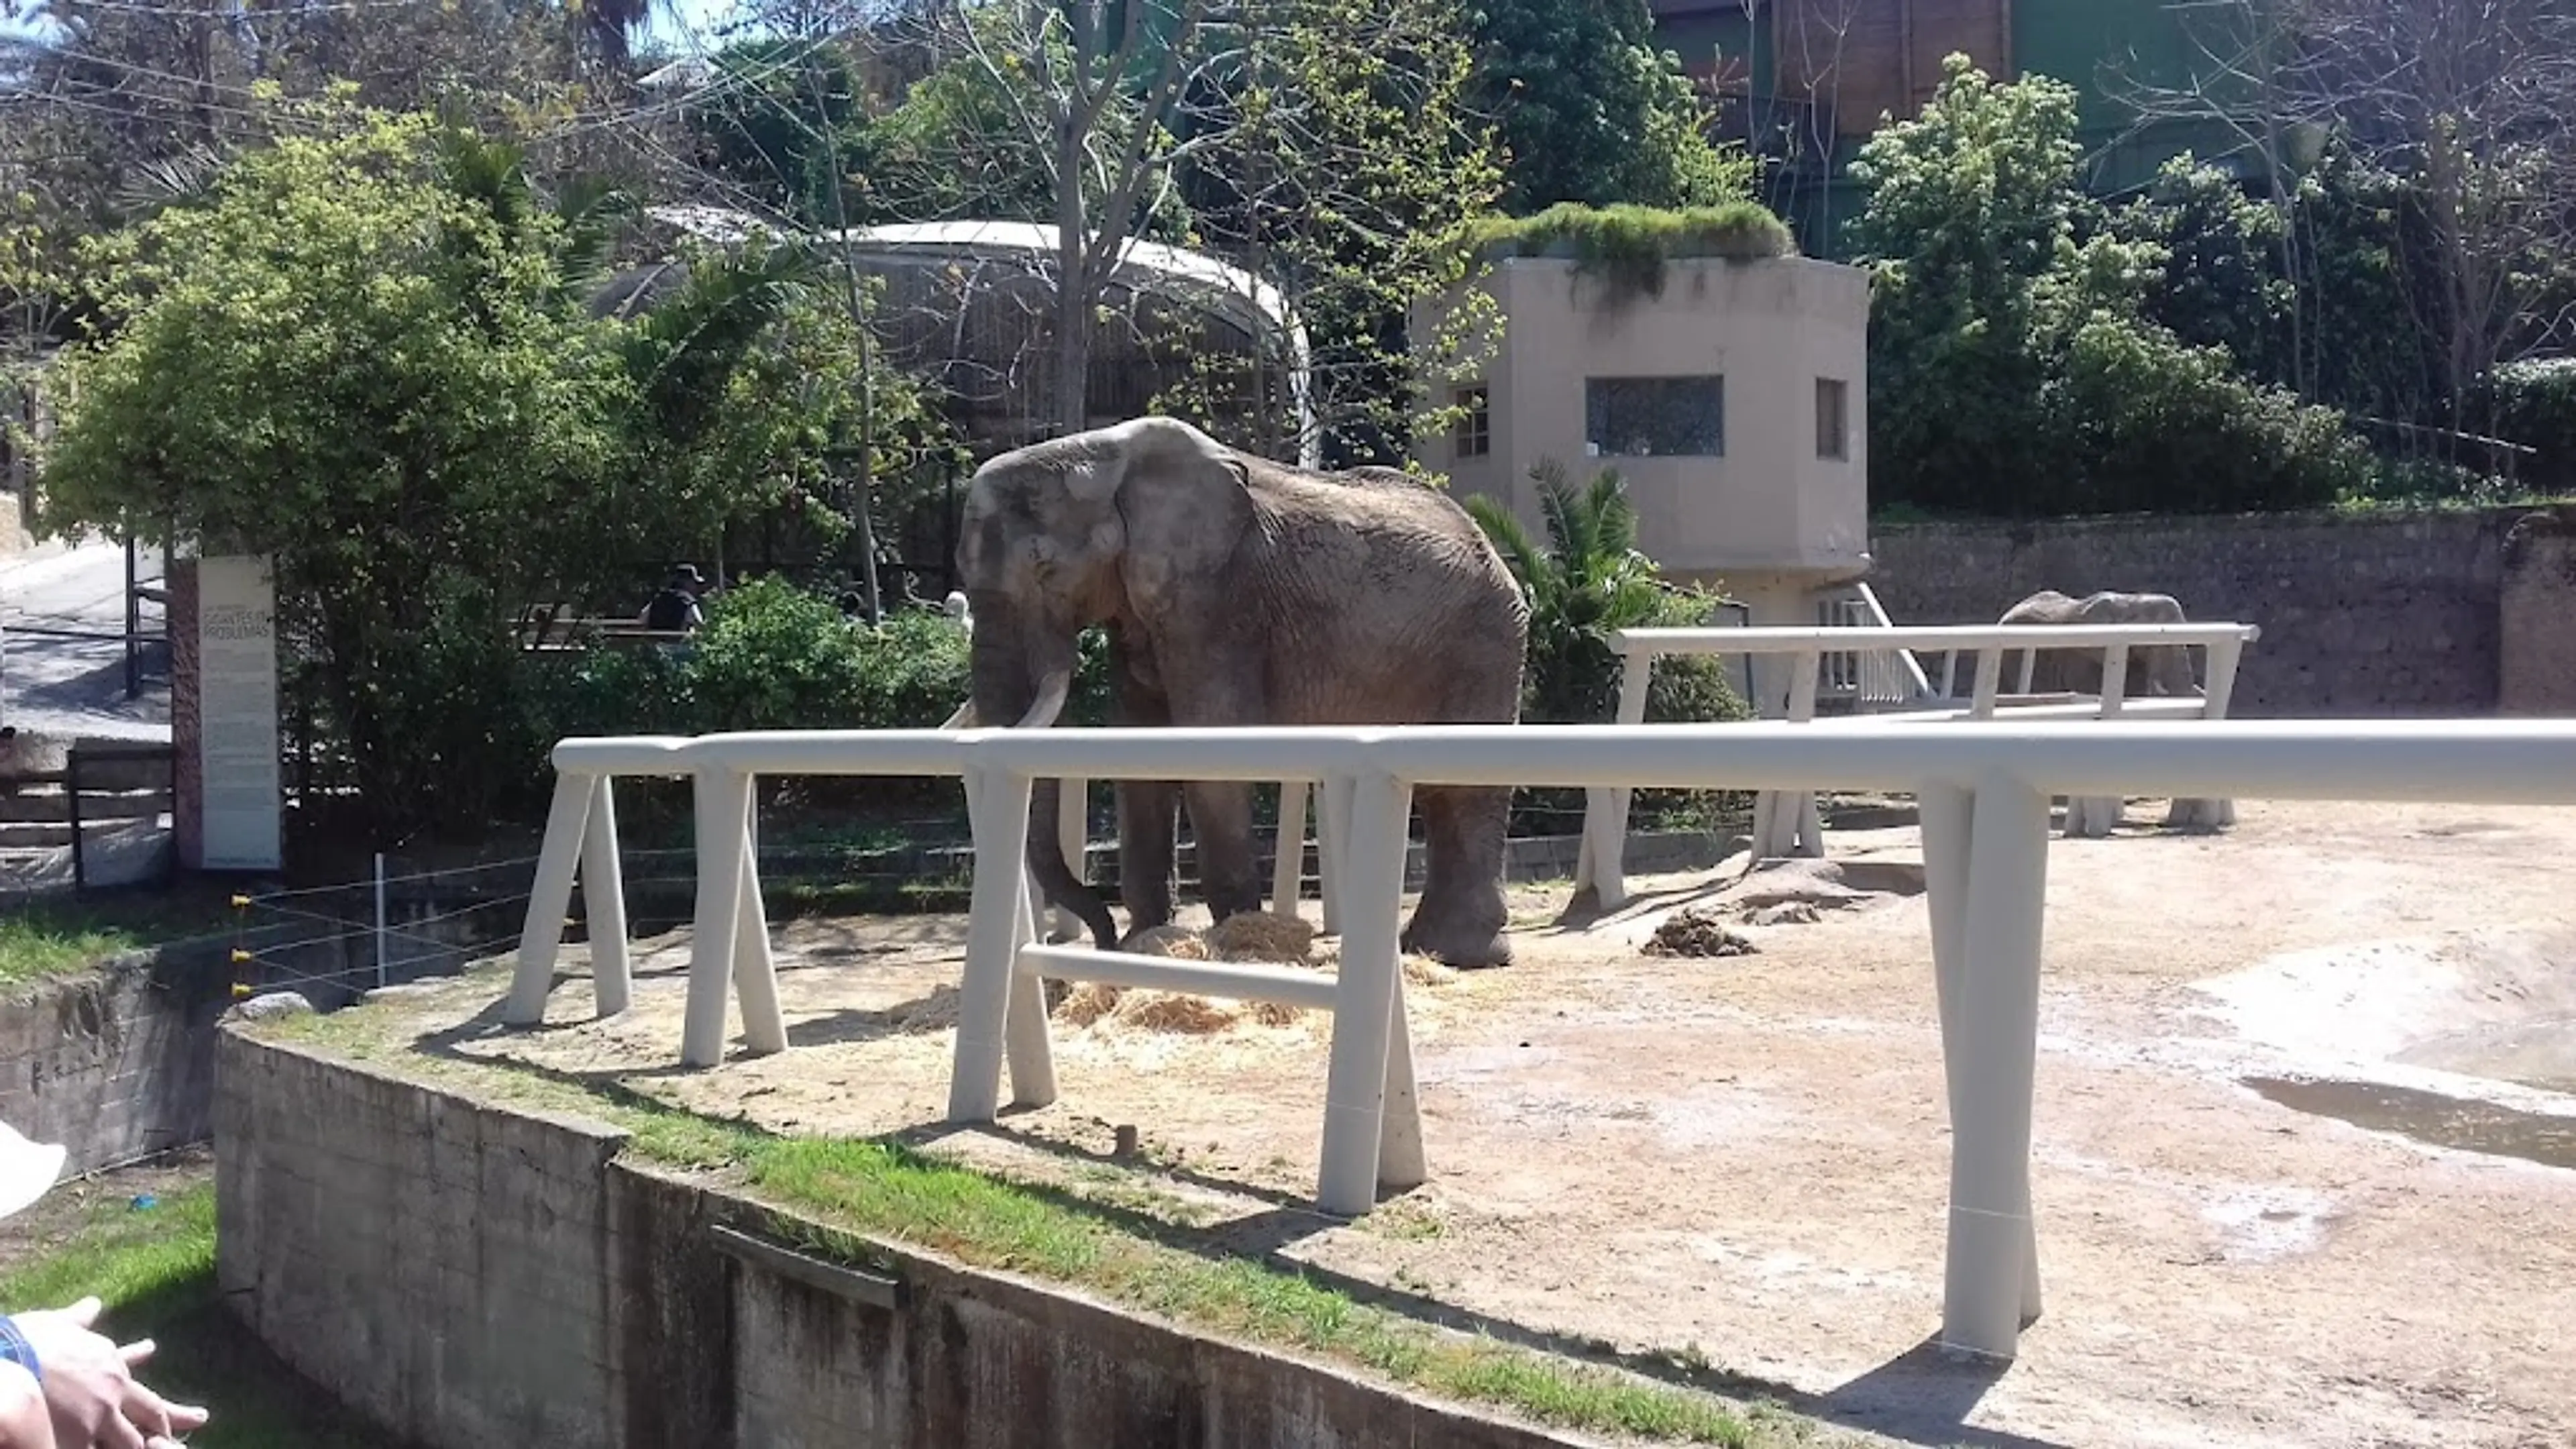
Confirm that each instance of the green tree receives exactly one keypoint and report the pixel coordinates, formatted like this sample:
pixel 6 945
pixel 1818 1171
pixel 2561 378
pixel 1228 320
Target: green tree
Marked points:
pixel 2014 367
pixel 369 358
pixel 1589 111
pixel 1345 158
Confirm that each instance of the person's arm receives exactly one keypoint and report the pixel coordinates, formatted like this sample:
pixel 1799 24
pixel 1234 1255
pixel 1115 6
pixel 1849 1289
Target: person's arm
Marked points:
pixel 25 1422
pixel 89 1382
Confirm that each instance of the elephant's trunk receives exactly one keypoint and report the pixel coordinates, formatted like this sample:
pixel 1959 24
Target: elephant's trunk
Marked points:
pixel 1024 672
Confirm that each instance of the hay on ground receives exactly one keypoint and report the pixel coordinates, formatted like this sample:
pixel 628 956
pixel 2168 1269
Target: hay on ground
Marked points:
pixel 1263 936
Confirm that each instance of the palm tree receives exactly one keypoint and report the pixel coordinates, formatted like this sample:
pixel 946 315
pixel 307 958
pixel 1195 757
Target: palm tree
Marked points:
pixel 1591 579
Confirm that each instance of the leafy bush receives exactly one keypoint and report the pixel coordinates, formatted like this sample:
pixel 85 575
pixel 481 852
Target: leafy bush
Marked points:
pixel 2534 404
pixel 2016 363
pixel 2156 425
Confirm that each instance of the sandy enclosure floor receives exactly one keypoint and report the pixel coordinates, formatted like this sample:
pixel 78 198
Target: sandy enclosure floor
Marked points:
pixel 1743 1159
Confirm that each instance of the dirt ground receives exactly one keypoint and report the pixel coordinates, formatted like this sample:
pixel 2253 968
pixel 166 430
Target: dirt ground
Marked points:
pixel 1743 1159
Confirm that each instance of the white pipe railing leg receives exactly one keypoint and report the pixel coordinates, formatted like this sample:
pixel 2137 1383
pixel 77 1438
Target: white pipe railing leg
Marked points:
pixel 549 899
pixel 998 801
pixel 1991 1272
pixel 2098 816
pixel 723 805
pixel 2029 669
pixel 1601 860
pixel 1288 867
pixel 755 974
pixel 1365 995
pixel 1026 1045
pixel 2218 691
pixel 603 903
pixel 1332 849
pixel 1948 814
pixel 1400 1160
pixel 1787 822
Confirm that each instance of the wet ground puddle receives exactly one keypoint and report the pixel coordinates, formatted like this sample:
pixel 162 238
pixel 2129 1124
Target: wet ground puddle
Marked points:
pixel 2431 1118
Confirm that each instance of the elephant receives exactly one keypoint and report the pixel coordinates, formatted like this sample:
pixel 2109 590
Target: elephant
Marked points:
pixel 2163 669
pixel 1237 590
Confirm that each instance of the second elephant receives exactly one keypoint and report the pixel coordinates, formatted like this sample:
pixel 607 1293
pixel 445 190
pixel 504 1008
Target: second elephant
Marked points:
pixel 2164 669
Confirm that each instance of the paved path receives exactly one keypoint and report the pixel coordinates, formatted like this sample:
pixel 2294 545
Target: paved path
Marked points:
pixel 54 683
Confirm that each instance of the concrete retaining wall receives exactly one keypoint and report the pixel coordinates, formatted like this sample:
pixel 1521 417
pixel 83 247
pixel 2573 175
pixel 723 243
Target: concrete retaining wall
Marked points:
pixel 2361 616
pixel 474 1276
pixel 119 1063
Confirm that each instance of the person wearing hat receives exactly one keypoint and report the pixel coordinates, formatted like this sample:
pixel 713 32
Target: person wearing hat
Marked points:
pixel 675 609
pixel 63 1385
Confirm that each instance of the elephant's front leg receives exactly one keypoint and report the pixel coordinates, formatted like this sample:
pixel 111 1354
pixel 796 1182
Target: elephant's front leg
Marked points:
pixel 1221 825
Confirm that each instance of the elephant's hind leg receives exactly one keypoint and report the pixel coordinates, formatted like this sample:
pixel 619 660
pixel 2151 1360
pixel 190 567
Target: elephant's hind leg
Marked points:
pixel 1221 833
pixel 1148 813
pixel 1461 917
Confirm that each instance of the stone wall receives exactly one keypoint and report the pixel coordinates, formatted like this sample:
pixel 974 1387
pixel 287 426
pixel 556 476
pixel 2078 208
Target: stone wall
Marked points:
pixel 118 1063
pixel 2361 616
pixel 470 1276
pixel 2537 634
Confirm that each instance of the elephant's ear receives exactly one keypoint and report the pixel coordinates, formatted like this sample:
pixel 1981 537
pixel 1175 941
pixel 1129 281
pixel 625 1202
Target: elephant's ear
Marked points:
pixel 1185 501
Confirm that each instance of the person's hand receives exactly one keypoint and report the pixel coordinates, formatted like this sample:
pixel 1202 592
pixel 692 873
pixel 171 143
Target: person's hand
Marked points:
pixel 24 1422
pixel 90 1387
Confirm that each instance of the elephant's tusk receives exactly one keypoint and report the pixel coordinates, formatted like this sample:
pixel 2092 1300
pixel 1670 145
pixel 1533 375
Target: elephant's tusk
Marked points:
pixel 1050 703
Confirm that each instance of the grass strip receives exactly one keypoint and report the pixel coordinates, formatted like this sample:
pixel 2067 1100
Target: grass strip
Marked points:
pixel 888 1191
pixel 46 938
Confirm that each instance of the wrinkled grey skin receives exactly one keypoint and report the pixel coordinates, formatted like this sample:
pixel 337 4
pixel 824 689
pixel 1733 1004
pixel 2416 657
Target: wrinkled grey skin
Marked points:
pixel 1240 591
pixel 2163 669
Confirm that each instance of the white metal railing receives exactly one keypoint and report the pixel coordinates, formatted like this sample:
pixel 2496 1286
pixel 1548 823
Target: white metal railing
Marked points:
pixel 1984 786
pixel 1786 822
pixel 1878 679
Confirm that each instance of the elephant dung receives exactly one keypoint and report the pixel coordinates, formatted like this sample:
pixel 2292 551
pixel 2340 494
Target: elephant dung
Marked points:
pixel 1696 931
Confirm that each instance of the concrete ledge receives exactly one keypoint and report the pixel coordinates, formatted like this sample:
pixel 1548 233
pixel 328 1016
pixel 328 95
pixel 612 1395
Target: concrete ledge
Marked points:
pixel 473 1274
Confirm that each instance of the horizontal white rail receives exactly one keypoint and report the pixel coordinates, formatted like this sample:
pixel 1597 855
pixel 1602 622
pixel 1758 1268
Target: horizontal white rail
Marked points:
pixel 1984 786
pixel 1234 980
pixel 1828 639
pixel 1788 822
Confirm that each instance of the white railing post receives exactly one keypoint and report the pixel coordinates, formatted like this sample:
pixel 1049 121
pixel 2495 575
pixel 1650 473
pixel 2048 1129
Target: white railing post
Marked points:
pixel 550 898
pixel 1026 1045
pixel 723 802
pixel 1992 1274
pixel 1288 866
pixel 1365 996
pixel 603 904
pixel 1601 859
pixel 1332 853
pixel 755 974
pixel 1989 682
pixel 2218 691
pixel 2098 816
pixel 998 801
pixel 2029 667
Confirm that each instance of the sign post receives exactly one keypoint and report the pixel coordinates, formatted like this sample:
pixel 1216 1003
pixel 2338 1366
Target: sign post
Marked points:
pixel 228 740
